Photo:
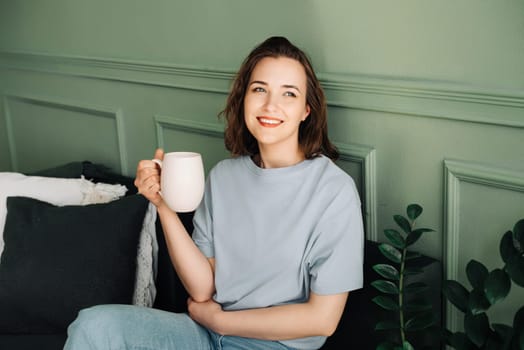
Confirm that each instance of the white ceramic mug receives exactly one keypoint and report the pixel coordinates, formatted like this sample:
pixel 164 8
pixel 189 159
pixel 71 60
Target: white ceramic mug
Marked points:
pixel 181 180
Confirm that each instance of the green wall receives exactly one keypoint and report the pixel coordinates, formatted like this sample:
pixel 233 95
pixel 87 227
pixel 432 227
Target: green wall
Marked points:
pixel 426 98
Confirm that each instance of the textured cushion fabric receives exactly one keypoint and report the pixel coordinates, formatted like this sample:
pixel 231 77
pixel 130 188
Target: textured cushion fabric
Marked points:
pixel 146 260
pixel 145 289
pixel 57 191
pixel 63 185
pixel 101 173
pixel 58 260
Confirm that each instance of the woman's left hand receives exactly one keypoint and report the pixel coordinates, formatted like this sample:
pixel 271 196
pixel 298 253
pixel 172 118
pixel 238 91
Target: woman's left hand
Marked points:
pixel 206 313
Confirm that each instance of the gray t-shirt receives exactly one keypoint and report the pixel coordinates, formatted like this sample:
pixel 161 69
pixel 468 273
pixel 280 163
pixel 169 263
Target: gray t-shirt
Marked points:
pixel 277 234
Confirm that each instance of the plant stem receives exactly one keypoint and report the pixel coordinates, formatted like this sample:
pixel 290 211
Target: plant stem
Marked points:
pixel 401 287
pixel 401 295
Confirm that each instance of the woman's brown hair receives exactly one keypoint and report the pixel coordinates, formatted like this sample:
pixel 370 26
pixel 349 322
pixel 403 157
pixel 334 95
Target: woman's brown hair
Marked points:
pixel 313 136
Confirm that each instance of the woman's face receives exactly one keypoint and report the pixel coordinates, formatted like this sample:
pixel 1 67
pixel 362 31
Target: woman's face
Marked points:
pixel 275 102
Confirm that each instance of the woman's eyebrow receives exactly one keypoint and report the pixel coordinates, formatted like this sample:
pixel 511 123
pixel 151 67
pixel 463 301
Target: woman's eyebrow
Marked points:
pixel 258 82
pixel 286 86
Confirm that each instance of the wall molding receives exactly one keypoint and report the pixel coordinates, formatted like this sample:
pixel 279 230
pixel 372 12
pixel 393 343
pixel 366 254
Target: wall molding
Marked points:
pixel 457 172
pixel 139 72
pixel 166 122
pixel 112 113
pixel 432 99
pixel 366 158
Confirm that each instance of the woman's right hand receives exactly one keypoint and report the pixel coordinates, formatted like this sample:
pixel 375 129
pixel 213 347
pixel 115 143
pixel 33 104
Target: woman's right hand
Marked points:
pixel 148 178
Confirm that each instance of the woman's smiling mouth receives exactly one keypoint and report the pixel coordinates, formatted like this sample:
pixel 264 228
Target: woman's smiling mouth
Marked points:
pixel 269 122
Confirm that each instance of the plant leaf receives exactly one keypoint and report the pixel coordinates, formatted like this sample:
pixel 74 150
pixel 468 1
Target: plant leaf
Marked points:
pixel 416 287
pixel 518 234
pixel 395 238
pixel 459 341
pixel 390 252
pixel 403 223
pixel 477 328
pixel 407 346
pixel 385 286
pixel 476 273
pixel 417 305
pixel 518 321
pixel 421 321
pixel 412 255
pixel 386 302
pixel 387 271
pixel 506 247
pixel 386 325
pixel 416 234
pixel 493 343
pixel 420 262
pixel 504 332
pixel 413 211
pixel 456 294
pixel 477 301
pixel 515 269
pixel 413 271
pixel 497 286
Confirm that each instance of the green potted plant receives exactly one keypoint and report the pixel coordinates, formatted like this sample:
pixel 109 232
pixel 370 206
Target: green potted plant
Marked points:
pixel 410 312
pixel 487 289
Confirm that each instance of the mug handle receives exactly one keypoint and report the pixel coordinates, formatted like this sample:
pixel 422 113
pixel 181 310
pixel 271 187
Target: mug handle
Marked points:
pixel 159 162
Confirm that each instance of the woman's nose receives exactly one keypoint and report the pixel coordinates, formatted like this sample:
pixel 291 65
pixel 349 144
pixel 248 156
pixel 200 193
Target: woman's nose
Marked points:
pixel 271 102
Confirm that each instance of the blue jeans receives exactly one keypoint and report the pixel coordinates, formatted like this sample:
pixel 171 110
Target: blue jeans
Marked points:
pixel 120 327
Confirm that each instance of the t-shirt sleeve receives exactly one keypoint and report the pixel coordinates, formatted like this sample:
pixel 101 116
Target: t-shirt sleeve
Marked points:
pixel 337 254
pixel 203 223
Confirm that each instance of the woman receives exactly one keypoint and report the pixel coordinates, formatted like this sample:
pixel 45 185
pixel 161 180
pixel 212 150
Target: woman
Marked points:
pixel 278 237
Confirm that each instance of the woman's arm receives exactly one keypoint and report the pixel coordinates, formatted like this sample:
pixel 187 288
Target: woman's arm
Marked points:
pixel 194 269
pixel 319 316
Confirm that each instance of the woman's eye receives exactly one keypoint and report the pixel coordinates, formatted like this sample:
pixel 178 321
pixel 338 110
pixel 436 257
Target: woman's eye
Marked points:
pixel 258 89
pixel 290 94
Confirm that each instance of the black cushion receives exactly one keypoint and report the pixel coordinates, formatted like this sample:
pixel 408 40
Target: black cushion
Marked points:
pixel 58 260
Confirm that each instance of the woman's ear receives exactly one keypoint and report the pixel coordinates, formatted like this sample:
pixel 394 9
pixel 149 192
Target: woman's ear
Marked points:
pixel 308 111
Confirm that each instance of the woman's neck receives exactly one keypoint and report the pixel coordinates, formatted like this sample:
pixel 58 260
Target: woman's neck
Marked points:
pixel 273 158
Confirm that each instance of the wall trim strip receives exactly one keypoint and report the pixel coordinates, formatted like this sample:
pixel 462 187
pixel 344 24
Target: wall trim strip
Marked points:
pixel 167 122
pixel 433 99
pixel 112 113
pixel 456 172
pixel 365 156
pixel 10 134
